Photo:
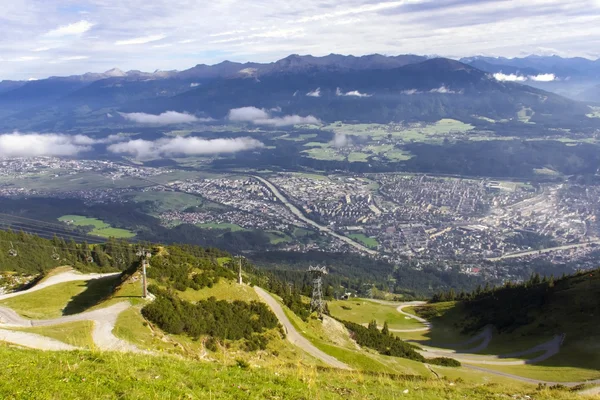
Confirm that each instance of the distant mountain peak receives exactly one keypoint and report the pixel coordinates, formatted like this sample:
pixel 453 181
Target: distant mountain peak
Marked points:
pixel 115 72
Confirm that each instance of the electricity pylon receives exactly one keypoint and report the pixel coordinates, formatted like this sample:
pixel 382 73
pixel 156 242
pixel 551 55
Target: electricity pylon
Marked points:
pixel 144 256
pixel 316 302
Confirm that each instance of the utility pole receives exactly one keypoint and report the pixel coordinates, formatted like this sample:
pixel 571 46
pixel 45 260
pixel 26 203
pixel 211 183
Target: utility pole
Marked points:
pixel 144 255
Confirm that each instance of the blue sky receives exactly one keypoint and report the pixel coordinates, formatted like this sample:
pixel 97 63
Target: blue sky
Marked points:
pixel 40 38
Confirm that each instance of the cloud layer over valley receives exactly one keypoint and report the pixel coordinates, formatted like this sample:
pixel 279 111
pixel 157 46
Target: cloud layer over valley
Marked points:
pixel 166 118
pixel 259 116
pixel 19 144
pixel 187 146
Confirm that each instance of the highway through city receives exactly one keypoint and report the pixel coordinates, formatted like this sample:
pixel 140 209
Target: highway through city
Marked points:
pixel 309 221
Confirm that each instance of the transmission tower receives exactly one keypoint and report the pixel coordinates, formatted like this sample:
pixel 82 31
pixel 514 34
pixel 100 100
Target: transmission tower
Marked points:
pixel 144 256
pixel 316 302
pixel 240 280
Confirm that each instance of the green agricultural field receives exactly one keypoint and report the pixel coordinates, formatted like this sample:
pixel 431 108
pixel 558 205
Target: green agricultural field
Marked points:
pixel 314 177
pixel 367 241
pixel 166 201
pixel 416 133
pixel 278 237
pixel 101 228
pixel 299 138
pixel 316 144
pixel 356 156
pixel 221 226
pixel 363 311
pixel 301 232
pixel 46 180
pixel 324 154
pixel 398 155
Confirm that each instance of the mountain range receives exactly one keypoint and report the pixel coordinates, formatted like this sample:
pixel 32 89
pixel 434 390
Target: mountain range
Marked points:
pixel 373 88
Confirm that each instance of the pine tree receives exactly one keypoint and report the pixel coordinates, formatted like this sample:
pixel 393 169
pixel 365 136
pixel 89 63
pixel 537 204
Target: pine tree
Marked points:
pixel 385 330
pixel 373 325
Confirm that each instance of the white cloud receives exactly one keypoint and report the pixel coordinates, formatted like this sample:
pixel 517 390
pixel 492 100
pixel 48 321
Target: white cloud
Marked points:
pixel 314 93
pixel 521 78
pixel 76 28
pixel 166 118
pixel 194 84
pixel 40 49
pixel 225 33
pixel 18 144
pixel 140 40
pixel 340 140
pixel 145 149
pixel 247 114
pixel 543 78
pixel 410 92
pixel 259 116
pixel 74 58
pixel 355 10
pixel 353 93
pixel 509 77
pixel 443 90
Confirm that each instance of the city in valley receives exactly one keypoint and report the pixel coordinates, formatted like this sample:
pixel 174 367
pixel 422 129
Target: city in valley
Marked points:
pixel 392 216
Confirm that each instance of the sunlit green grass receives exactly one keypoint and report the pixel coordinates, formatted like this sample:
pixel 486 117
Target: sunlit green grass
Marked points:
pixel 47 303
pixel 89 375
pixel 100 227
pixel 363 311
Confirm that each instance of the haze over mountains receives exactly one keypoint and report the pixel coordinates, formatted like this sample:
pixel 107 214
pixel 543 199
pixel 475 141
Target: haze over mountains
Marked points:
pixel 372 88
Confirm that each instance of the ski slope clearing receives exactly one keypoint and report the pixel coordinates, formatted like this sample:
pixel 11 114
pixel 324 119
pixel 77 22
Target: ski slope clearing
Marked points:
pixel 104 320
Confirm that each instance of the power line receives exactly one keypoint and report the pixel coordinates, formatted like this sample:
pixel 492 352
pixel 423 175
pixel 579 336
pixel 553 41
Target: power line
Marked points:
pixel 35 222
pixel 47 227
pixel 46 232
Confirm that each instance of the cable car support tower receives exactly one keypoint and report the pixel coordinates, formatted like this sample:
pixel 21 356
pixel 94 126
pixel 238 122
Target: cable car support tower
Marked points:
pixel 316 302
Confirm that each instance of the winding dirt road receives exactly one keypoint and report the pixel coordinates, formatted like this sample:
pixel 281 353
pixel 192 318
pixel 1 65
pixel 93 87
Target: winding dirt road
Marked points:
pixel 294 336
pixel 467 357
pixel 67 276
pixel 104 320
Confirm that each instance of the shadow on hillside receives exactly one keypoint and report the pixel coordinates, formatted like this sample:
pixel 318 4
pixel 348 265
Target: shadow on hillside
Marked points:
pixel 97 290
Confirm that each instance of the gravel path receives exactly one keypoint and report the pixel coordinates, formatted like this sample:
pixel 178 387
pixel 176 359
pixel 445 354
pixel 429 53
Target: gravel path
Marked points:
pixel 104 320
pixel 33 341
pixel 68 276
pixel 294 336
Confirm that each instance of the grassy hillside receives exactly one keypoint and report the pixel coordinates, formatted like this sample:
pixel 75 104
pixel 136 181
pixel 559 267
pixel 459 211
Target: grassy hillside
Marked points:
pixel 524 316
pixel 76 375
pixel 362 312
